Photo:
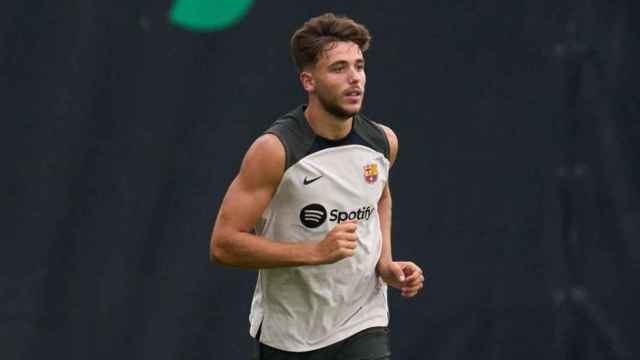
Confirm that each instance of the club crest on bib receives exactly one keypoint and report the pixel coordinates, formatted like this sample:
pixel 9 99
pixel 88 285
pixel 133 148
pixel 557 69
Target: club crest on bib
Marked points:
pixel 371 173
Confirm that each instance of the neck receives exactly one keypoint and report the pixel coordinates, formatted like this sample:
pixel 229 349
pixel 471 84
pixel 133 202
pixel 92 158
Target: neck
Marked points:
pixel 326 124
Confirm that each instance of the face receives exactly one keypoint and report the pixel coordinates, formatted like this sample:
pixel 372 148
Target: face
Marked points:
pixel 337 79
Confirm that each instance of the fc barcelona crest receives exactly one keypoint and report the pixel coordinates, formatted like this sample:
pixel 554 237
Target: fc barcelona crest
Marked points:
pixel 371 173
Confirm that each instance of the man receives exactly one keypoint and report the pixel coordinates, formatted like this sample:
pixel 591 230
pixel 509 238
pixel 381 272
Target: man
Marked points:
pixel 311 208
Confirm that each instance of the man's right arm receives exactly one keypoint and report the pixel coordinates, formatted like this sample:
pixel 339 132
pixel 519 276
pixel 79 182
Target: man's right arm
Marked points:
pixel 232 242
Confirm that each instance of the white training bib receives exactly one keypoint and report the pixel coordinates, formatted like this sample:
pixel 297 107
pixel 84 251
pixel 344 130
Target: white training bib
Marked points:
pixel 325 183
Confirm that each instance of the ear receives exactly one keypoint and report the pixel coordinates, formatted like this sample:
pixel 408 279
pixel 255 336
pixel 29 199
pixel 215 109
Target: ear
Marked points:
pixel 307 81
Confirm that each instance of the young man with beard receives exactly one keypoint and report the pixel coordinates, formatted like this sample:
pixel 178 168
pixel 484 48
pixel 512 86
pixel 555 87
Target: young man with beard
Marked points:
pixel 311 209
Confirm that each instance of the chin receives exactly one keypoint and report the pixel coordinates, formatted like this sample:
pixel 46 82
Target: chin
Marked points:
pixel 342 112
pixel 352 110
pixel 349 112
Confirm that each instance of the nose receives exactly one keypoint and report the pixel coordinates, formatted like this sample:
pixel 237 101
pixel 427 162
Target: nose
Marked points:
pixel 355 76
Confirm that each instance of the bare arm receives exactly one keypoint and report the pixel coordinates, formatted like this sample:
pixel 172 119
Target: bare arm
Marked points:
pixel 404 275
pixel 384 206
pixel 232 242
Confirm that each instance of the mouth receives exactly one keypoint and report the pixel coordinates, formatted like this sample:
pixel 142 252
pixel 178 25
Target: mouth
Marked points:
pixel 353 94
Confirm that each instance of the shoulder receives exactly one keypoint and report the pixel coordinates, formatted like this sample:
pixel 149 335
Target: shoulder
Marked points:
pixel 265 160
pixel 294 134
pixel 268 143
pixel 380 136
pixel 389 137
pixel 393 142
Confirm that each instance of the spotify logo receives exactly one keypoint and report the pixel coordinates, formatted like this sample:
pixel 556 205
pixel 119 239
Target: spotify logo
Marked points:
pixel 313 215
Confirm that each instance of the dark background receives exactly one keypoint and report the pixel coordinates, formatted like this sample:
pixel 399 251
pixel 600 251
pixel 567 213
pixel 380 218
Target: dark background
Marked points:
pixel 516 188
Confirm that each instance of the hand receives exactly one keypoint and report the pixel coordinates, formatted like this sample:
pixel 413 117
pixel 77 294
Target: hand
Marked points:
pixel 339 243
pixel 403 275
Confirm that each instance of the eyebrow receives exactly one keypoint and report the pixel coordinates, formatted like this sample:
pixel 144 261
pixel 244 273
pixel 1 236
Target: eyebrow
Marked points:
pixel 343 62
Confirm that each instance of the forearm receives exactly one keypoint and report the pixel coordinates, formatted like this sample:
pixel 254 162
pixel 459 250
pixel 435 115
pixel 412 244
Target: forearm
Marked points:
pixel 242 249
pixel 384 214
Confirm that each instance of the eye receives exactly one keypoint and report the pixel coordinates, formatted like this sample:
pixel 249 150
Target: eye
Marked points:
pixel 338 68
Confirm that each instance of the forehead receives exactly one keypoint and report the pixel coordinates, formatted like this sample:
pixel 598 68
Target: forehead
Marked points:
pixel 340 51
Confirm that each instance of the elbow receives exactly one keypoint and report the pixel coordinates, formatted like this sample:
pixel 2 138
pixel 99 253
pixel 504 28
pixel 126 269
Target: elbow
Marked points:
pixel 217 255
pixel 214 254
pixel 226 248
pixel 217 252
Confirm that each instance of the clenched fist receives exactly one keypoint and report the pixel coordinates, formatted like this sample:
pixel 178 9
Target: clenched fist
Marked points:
pixel 339 243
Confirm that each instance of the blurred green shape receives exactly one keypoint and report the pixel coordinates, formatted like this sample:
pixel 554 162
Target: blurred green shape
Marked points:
pixel 208 15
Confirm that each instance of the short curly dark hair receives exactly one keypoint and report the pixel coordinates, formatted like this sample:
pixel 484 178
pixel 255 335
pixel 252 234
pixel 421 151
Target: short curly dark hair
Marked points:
pixel 310 40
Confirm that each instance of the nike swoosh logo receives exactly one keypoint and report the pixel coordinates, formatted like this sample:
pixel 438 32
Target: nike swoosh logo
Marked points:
pixel 309 181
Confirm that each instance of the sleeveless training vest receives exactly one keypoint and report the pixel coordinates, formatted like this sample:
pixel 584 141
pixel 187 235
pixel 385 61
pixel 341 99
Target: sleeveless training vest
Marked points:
pixel 325 183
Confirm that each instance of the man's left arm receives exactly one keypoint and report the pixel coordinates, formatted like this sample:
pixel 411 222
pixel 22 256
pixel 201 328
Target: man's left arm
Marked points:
pixel 403 275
